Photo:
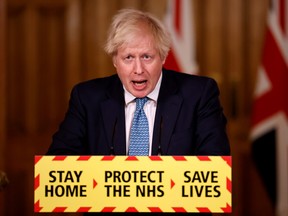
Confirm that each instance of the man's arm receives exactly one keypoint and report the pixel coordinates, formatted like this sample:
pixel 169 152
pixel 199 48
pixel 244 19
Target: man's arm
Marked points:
pixel 211 123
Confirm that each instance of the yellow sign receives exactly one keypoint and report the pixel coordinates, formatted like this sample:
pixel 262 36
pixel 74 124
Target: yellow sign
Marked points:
pixel 132 184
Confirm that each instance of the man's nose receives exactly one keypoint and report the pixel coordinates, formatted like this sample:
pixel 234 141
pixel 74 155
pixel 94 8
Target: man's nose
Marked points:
pixel 138 66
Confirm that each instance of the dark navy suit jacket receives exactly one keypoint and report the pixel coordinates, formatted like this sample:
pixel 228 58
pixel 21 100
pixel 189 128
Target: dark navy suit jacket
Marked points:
pixel 189 118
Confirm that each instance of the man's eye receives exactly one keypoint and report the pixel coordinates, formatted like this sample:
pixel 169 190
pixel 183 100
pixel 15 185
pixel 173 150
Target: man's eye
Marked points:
pixel 146 57
pixel 128 57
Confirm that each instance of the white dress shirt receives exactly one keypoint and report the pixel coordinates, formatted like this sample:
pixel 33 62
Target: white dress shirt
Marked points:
pixel 149 109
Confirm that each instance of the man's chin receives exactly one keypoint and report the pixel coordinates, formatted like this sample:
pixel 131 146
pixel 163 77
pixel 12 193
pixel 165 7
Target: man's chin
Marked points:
pixel 139 94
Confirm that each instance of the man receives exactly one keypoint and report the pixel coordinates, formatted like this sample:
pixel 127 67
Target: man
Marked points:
pixel 183 111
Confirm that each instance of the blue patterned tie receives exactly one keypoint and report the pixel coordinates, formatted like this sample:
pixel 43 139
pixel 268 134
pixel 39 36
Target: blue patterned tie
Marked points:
pixel 139 135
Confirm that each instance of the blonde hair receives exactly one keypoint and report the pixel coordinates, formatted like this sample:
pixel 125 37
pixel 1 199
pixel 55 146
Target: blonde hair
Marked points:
pixel 128 21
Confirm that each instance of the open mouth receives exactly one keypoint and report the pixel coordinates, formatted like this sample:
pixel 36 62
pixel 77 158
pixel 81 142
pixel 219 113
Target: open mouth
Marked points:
pixel 139 83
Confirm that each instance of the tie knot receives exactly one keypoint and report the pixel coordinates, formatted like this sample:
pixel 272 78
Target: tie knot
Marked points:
pixel 140 102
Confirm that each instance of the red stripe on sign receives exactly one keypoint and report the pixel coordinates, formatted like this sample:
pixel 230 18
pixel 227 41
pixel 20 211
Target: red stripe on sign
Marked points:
pixel 36 182
pixel 228 185
pixel 37 158
pixel 228 160
pixel 108 209
pixel 227 209
pixel 131 158
pixel 84 209
pixel 203 158
pixel 37 207
pixel 59 158
pixel 83 158
pixel 179 209
pixel 59 209
pixel 131 209
pixel 203 209
pixel 108 158
pixel 154 209
pixel 155 158
pixel 179 158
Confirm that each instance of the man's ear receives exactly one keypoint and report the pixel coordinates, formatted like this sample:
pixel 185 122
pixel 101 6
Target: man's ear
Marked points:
pixel 164 60
pixel 114 61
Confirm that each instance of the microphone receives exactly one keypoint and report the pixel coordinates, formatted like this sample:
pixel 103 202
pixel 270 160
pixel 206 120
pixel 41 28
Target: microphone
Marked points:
pixel 113 137
pixel 3 180
pixel 159 151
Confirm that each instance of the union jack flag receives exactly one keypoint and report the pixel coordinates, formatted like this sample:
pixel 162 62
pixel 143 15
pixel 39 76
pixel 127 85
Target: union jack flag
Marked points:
pixel 180 23
pixel 270 109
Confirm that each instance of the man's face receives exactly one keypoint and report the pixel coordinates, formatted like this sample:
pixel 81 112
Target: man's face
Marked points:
pixel 138 64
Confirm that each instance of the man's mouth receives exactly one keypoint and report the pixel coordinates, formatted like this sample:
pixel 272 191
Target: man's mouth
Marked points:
pixel 139 83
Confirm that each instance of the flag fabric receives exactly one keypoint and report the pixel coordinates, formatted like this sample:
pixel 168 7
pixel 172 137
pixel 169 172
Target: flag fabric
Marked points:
pixel 270 109
pixel 180 24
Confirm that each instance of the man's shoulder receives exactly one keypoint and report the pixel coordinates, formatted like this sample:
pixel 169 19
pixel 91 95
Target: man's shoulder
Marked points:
pixel 97 89
pixel 97 83
pixel 185 80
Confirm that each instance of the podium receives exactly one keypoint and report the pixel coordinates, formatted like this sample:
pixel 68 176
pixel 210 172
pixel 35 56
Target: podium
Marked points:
pixel 133 184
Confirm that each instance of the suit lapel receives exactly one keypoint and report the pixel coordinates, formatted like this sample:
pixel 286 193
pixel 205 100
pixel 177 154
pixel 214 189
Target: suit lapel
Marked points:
pixel 168 107
pixel 113 114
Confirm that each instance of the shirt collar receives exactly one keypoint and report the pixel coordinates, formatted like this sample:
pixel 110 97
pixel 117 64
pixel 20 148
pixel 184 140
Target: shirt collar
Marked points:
pixel 152 95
